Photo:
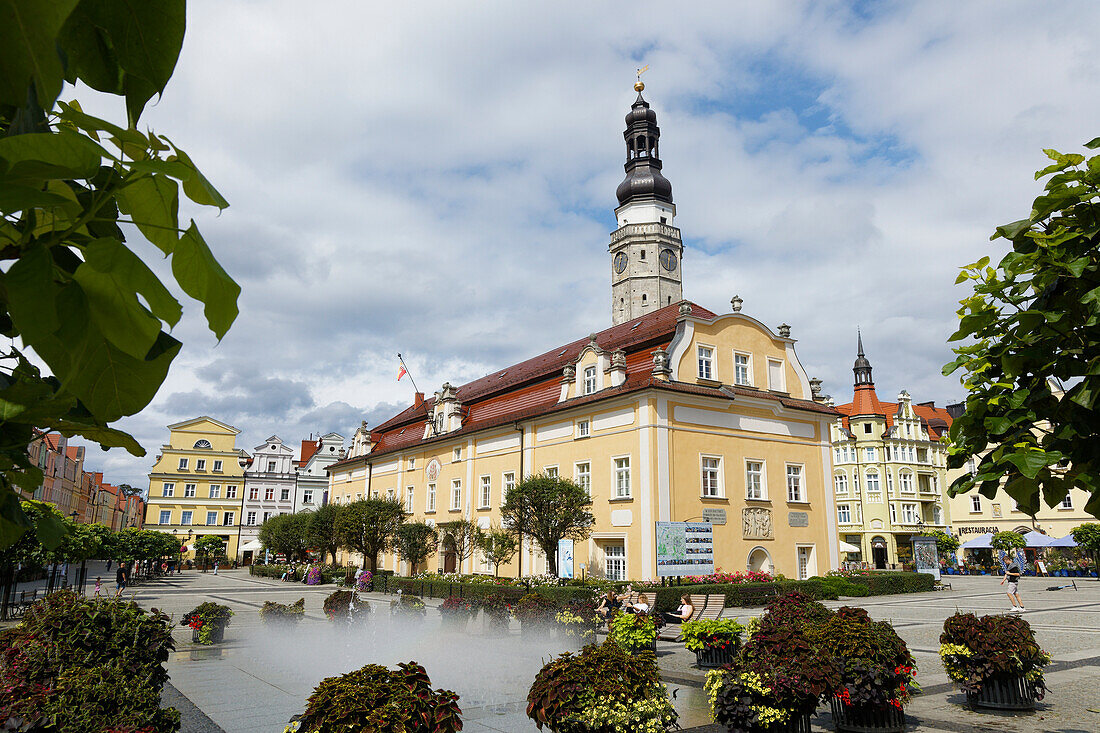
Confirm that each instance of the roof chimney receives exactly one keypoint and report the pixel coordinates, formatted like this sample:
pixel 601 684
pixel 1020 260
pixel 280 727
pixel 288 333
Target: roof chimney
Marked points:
pixel 418 399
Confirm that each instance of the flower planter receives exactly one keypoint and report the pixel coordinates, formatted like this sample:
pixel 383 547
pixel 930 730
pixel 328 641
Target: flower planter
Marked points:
pixel 713 658
pixel 1012 693
pixel 639 649
pixel 455 621
pixel 798 723
pixel 217 634
pixel 867 718
pixel 495 627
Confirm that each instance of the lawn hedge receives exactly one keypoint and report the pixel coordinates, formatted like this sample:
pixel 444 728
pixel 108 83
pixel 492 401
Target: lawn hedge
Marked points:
pixel 328 574
pixel 444 589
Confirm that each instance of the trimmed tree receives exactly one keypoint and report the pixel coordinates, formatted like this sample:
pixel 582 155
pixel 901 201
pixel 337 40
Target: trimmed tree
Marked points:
pixel 415 542
pixel 549 509
pixel 321 530
pixel 368 526
pixel 286 534
pixel 209 546
pixel 945 543
pixel 1032 364
pixel 1007 541
pixel 460 537
pixel 498 545
pixel 1087 537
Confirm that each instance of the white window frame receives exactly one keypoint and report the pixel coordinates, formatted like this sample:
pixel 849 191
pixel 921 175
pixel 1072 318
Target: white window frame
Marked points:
pixel 182 465
pixel 616 559
pixel 905 482
pixel 485 492
pixel 711 480
pixel 200 464
pixel 391 493
pixel 168 489
pixel 801 474
pixel 208 515
pixel 307 496
pixel 868 478
pixel 584 428
pixel 430 506
pixel 763 480
pixel 869 453
pixel 975 504
pixel 228 519
pixel 748 369
pixel 551 471
pixel 186 517
pixel 231 491
pixel 706 366
pixel 250 519
pixel 215 491
pixel 844 513
pixel 190 491
pixel 410 496
pixel 456 493
pixel 456 454
pixel 269 493
pixel 217 465
pixel 268 515
pixel 910 513
pixel 507 483
pixel 1067 501
pixel 583 478
pixel 890 482
pixel 617 473
pixel 412 464
pixel 165 516
pixel 893 512
pixel 782 386
pixel 590 378
pixel 840 483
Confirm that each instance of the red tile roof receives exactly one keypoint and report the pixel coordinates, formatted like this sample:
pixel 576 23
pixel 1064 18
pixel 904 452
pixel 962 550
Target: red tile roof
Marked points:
pixel 866 402
pixel 309 447
pixel 533 387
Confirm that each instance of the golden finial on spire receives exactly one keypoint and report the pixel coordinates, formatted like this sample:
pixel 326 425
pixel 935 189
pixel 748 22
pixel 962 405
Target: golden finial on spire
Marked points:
pixel 639 85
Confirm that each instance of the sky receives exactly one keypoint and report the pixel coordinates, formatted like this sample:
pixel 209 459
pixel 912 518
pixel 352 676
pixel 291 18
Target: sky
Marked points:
pixel 438 179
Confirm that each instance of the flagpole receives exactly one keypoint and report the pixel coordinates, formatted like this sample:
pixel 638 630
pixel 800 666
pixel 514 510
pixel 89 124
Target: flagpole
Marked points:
pixel 402 360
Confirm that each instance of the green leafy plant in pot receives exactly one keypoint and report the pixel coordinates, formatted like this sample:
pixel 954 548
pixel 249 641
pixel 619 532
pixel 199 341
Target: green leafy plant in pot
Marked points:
pixel 408 606
pixel 602 689
pixel 634 632
pixel 375 698
pixel 497 612
pixel 281 614
pixel 995 660
pixel 208 621
pixel 714 641
pixel 578 620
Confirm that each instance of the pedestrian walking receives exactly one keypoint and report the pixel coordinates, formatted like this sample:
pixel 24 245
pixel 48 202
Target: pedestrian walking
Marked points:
pixel 1012 577
pixel 120 580
pixel 98 587
pixel 109 565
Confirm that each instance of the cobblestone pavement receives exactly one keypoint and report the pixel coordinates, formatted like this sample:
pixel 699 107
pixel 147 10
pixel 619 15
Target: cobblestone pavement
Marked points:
pixel 257 680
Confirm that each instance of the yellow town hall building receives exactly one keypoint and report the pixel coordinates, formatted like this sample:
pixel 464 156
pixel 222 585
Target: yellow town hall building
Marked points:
pixel 674 413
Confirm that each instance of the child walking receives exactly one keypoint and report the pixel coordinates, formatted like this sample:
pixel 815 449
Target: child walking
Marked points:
pixel 98 587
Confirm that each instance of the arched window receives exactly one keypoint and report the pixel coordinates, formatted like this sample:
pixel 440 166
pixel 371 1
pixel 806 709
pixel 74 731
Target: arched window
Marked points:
pixel 937 514
pixel 905 479
pixel 759 561
pixel 202 444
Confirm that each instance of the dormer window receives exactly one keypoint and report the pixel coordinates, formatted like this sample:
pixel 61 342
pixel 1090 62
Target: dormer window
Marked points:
pixel 706 362
pixel 439 423
pixel 589 380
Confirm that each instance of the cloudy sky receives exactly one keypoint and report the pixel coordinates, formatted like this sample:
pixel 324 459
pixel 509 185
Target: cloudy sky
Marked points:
pixel 438 179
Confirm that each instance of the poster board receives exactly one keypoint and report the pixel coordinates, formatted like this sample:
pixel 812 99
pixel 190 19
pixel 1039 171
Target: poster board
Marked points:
pixel 565 558
pixel 925 556
pixel 684 548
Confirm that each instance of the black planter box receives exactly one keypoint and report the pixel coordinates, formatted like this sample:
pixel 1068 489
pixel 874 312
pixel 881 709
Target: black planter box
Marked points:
pixel 1012 693
pixel 641 649
pixel 713 658
pixel 798 723
pixel 867 718
pixel 217 634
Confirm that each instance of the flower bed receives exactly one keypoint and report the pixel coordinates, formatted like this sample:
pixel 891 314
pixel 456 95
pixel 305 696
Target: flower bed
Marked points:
pixel 600 689
pixel 208 621
pixel 456 612
pixel 992 652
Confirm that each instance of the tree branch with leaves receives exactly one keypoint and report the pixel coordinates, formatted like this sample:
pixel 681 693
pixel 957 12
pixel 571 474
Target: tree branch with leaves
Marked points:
pixel 549 509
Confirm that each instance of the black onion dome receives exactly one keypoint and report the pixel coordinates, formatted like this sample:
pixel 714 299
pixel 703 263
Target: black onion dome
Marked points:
pixel 640 112
pixel 644 181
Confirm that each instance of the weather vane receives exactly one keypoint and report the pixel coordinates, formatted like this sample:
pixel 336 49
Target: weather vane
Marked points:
pixel 639 86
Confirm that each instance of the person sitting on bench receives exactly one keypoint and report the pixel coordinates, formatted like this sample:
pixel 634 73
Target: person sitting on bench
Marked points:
pixel 642 606
pixel 608 604
pixel 683 612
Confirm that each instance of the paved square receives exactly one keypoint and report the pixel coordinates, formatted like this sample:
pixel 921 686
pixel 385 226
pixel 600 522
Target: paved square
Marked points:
pixel 258 679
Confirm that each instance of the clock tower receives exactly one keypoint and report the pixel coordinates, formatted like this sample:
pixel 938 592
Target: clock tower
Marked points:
pixel 646 248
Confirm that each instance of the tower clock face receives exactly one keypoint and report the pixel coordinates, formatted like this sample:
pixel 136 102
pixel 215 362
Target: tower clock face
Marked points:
pixel 668 260
pixel 620 262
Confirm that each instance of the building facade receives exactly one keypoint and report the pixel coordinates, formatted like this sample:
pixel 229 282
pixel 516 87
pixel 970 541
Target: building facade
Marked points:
pixel 675 413
pixel 269 483
pixel 890 471
pixel 196 484
pixel 312 479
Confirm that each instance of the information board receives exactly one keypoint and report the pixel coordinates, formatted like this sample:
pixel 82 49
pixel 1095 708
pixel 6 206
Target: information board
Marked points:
pixel 684 548
pixel 565 558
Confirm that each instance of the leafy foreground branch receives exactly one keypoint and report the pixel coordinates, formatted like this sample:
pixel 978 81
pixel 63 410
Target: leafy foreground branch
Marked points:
pixel 1032 361
pixel 72 189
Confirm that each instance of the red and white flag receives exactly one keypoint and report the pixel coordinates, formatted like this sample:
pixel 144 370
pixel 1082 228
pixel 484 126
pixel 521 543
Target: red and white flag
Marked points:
pixel 401 371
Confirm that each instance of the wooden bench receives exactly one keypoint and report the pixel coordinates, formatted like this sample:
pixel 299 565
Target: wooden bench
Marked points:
pixel 700 603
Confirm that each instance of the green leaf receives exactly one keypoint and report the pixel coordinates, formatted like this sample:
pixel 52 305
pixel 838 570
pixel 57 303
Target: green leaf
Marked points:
pixel 28 49
pixel 14 522
pixel 64 154
pixel 112 276
pixel 89 53
pixel 15 197
pixel 1029 462
pixel 1013 230
pixel 105 436
pixel 1093 144
pixel 31 296
pixel 152 201
pixel 201 277
pixel 197 188
pixel 147 38
pixel 50 528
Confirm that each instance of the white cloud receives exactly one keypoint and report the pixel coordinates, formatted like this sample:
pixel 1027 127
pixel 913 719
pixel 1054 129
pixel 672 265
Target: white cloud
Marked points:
pixel 438 180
